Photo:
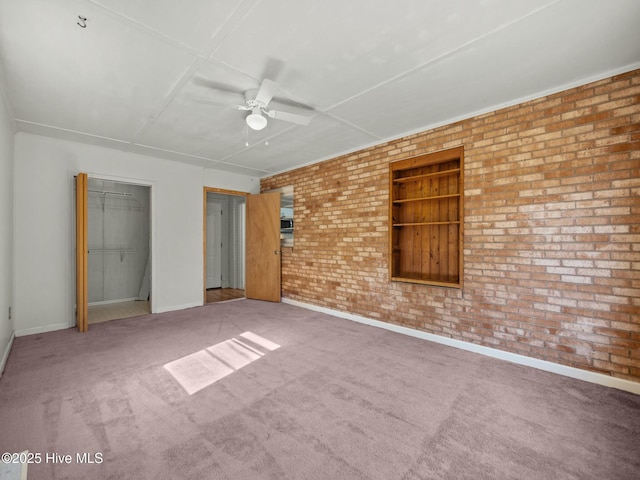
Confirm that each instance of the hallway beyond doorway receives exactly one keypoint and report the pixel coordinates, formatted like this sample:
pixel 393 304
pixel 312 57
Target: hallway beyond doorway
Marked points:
pixel 224 294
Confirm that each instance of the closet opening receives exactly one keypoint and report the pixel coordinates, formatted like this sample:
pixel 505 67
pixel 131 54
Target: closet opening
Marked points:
pixel 118 250
pixel 224 245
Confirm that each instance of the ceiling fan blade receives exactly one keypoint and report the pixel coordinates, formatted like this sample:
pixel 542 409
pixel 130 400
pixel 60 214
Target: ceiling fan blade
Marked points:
pixel 273 68
pixel 288 117
pixel 268 89
pixel 287 102
pixel 217 103
pixel 205 82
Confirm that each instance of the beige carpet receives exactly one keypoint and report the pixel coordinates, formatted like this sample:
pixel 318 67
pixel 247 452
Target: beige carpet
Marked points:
pixel 112 311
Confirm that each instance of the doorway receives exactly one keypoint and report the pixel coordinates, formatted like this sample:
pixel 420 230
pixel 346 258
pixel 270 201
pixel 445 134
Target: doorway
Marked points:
pixel 118 250
pixel 224 234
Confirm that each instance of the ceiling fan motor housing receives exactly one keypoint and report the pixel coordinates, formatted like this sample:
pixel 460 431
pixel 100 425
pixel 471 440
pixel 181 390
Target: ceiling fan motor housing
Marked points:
pixel 257 101
pixel 255 119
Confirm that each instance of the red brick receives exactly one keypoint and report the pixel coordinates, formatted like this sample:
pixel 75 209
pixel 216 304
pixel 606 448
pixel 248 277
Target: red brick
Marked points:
pixel 551 231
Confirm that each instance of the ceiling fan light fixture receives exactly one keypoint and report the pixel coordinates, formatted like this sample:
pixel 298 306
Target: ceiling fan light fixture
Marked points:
pixel 255 120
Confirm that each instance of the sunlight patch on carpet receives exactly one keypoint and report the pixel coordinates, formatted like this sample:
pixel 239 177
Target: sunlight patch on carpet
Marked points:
pixel 234 354
pixel 258 340
pixel 205 367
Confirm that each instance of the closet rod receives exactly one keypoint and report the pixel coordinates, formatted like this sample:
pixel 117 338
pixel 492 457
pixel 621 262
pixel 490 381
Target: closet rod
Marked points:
pixel 122 194
pixel 112 250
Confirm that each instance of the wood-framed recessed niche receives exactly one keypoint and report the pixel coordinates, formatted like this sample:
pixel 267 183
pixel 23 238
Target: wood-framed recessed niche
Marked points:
pixel 426 219
pixel 286 215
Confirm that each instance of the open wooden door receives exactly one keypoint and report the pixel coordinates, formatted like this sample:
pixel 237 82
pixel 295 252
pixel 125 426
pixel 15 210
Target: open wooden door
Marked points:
pixel 262 280
pixel 82 258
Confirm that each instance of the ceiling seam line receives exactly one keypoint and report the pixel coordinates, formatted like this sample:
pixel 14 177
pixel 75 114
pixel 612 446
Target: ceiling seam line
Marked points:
pixel 216 42
pixel 128 143
pixel 166 101
pixel 348 123
pixel 245 168
pixel 69 130
pixel 166 150
pixel 441 56
pixel 198 62
pixel 146 28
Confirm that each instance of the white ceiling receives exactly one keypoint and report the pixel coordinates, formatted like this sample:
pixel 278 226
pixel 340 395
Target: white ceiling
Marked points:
pixel 161 77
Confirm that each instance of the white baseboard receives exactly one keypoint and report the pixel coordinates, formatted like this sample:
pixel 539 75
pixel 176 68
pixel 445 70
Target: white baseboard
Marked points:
pixel 110 302
pixel 44 329
pixel 587 376
pixel 173 308
pixel 5 355
pixel 62 326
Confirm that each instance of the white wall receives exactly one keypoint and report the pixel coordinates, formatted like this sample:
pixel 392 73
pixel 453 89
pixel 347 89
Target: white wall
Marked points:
pixel 230 181
pixel 6 230
pixel 44 289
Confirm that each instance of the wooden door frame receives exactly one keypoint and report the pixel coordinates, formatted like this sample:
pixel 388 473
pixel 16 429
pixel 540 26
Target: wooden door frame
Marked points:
pixel 221 191
pixel 81 215
pixel 152 233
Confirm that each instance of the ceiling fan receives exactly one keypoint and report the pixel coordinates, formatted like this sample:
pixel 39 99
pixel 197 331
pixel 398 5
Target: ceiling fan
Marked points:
pixel 257 102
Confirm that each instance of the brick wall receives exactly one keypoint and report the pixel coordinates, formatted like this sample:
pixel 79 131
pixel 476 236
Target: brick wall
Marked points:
pixel 552 231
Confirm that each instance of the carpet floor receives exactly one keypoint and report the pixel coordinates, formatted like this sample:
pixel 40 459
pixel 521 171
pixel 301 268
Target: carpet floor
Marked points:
pixel 254 390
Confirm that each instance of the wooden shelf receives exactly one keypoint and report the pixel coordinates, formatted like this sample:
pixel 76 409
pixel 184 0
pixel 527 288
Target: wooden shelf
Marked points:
pixel 413 178
pixel 423 191
pixel 420 199
pixel 419 224
pixel 453 282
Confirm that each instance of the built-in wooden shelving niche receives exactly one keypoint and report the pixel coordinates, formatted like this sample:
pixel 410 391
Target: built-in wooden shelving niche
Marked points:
pixel 426 218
